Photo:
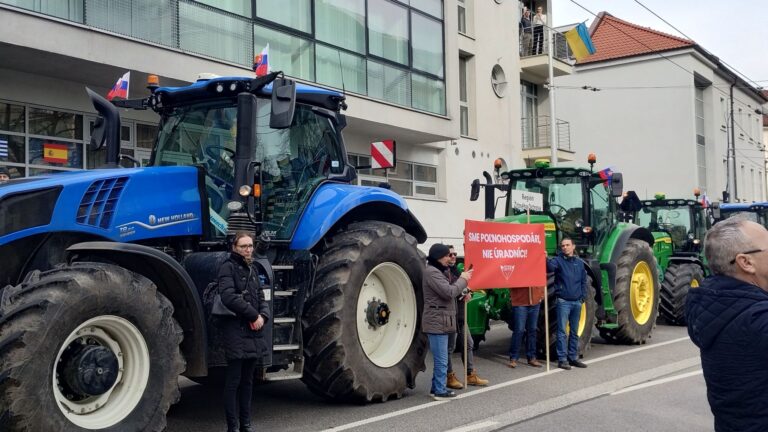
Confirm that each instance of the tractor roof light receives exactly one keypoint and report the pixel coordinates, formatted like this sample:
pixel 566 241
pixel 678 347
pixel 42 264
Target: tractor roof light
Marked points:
pixel 153 82
pixel 497 164
pixel 592 158
pixel 696 192
pixel 541 163
pixel 659 196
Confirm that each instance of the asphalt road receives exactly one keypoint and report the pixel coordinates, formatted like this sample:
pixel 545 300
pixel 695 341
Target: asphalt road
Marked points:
pixel 657 386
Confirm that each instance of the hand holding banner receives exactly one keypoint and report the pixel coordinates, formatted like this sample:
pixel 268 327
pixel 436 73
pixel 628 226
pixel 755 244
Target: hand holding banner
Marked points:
pixel 505 255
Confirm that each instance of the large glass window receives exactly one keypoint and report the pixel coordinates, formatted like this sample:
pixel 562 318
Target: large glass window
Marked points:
pixel 45 151
pixel 67 9
pixel 432 7
pixel 151 20
pixel 341 23
pixel 11 117
pixel 239 7
pixel 290 54
pixel 209 32
pixel 11 148
pixel 340 69
pixel 296 14
pixel 388 31
pixel 407 179
pixel 428 94
pixel 463 97
pixel 388 83
pixel 701 155
pixel 55 123
pixel 427 43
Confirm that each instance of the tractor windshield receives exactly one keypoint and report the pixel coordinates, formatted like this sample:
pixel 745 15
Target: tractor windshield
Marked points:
pixel 293 161
pixel 563 199
pixel 675 220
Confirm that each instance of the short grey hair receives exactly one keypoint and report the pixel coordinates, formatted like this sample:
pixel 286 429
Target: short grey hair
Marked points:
pixel 723 242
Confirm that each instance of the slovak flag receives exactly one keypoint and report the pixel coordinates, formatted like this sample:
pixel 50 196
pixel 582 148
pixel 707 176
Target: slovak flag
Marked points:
pixel 705 201
pixel 261 62
pixel 120 88
pixel 606 174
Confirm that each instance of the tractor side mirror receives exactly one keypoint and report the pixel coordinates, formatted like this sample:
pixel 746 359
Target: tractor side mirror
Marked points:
pixel 474 192
pixel 98 134
pixel 716 211
pixel 283 103
pixel 617 185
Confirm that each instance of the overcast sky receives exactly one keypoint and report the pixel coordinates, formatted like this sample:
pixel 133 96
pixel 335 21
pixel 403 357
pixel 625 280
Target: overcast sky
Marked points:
pixel 734 30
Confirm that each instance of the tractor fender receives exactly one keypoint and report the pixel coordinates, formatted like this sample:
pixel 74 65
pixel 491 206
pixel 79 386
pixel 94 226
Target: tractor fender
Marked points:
pixel 593 270
pixel 630 232
pixel 688 260
pixel 171 280
pixel 336 205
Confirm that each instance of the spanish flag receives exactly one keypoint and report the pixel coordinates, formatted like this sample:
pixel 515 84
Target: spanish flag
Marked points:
pixel 55 153
pixel 580 42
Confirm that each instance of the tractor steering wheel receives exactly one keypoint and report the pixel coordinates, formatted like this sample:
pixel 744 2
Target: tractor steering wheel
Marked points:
pixel 210 151
pixel 560 212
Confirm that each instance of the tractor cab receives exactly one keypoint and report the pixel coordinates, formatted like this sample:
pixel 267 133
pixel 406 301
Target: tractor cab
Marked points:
pixel 756 212
pixel 684 220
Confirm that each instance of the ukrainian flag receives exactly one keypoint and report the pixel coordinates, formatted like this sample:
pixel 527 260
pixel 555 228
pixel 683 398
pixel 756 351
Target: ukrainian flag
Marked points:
pixel 580 42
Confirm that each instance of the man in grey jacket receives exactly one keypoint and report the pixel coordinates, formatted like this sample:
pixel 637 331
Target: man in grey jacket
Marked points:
pixel 439 315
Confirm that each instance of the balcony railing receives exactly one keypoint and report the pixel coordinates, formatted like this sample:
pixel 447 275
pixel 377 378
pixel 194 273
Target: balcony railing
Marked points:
pixel 534 43
pixel 537 133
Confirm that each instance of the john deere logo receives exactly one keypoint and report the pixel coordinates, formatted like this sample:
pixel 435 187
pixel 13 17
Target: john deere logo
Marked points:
pixel 152 219
pixel 507 270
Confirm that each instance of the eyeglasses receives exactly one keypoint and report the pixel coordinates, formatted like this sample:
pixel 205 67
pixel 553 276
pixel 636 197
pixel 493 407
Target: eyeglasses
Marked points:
pixel 248 246
pixel 753 251
pixel 453 254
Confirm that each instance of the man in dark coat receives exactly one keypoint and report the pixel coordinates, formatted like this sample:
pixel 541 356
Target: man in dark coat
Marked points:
pixel 244 343
pixel 439 316
pixel 728 320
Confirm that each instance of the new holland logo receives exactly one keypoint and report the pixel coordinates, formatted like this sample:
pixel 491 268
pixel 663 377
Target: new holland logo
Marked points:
pixel 507 270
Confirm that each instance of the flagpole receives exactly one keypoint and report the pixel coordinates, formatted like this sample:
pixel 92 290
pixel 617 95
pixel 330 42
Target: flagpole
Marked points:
pixel 552 118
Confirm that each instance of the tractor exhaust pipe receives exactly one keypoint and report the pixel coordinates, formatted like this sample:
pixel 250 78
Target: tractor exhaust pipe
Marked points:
pixel 106 129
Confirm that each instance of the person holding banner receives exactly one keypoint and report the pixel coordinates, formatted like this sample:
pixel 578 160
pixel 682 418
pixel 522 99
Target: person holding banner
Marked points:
pixel 472 378
pixel 571 292
pixel 439 315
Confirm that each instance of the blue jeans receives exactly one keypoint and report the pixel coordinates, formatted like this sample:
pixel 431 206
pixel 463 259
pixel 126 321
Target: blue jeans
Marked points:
pixel 568 311
pixel 526 319
pixel 438 344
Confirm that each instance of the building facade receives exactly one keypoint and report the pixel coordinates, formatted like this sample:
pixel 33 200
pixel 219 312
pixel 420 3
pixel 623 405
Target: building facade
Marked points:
pixel 666 113
pixel 441 78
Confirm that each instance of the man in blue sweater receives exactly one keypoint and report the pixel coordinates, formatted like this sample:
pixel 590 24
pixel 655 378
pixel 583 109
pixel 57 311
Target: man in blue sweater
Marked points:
pixel 728 320
pixel 571 292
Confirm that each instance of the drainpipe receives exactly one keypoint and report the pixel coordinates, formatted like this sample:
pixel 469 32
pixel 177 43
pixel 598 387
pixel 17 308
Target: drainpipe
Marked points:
pixel 552 117
pixel 732 186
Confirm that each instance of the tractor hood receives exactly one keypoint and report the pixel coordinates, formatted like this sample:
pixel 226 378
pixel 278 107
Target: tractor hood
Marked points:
pixel 116 204
pixel 550 233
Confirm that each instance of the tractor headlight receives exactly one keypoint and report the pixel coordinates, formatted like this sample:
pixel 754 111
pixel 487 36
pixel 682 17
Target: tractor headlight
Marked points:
pixel 234 206
pixel 245 190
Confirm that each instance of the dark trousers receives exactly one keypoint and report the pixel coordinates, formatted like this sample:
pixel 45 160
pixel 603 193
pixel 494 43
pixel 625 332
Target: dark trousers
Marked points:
pixel 538 39
pixel 239 382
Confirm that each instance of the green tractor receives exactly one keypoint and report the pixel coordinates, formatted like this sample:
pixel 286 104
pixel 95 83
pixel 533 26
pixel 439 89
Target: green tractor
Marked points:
pixel 618 257
pixel 679 227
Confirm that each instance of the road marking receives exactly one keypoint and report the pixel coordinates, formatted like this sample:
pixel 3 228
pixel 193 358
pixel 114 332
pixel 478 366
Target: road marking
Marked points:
pixel 475 426
pixel 504 385
pixel 657 382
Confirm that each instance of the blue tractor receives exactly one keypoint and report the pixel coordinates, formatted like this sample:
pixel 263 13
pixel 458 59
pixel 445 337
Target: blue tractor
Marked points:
pixel 105 270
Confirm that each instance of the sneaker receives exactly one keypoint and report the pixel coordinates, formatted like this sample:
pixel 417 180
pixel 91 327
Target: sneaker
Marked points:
pixel 453 382
pixel 512 363
pixel 474 380
pixel 448 395
pixel 534 362
pixel 577 364
pixel 563 365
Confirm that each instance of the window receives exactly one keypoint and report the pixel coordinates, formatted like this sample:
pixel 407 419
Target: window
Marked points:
pixel 432 7
pixel 291 54
pixel 340 69
pixel 67 9
pixel 145 135
pixel 428 94
pixel 388 31
pixel 388 83
pixel 463 96
pixel 11 117
pixel 238 7
pixel 462 16
pixel 341 23
pixel 212 33
pixel 407 179
pixel 427 43
pixel 498 81
pixel 150 20
pixel 55 123
pixel 296 14
pixel 701 155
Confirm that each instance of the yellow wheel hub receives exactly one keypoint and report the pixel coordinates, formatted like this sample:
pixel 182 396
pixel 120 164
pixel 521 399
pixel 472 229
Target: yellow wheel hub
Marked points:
pixel 582 321
pixel 641 292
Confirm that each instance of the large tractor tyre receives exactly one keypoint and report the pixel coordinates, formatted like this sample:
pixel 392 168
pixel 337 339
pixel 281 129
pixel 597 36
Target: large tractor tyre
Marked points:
pixel 678 279
pixel 362 324
pixel 87 347
pixel 587 321
pixel 636 296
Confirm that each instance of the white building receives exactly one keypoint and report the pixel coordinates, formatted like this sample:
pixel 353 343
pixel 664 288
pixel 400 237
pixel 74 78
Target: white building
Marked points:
pixel 661 114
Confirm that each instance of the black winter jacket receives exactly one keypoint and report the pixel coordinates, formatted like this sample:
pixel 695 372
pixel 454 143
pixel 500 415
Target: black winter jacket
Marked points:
pixel 570 277
pixel 728 321
pixel 241 292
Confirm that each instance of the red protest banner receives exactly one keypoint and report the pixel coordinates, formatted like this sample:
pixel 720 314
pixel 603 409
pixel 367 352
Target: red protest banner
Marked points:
pixel 504 255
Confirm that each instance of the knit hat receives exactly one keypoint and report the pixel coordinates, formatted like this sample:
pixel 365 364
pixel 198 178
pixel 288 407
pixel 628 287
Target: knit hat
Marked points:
pixel 438 250
pixel 4 170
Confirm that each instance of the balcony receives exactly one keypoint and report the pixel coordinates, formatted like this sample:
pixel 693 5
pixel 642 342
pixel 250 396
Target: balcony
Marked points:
pixel 534 55
pixel 537 139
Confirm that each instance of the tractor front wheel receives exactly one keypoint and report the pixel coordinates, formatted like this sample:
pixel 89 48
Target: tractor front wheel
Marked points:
pixel 87 347
pixel 678 279
pixel 362 326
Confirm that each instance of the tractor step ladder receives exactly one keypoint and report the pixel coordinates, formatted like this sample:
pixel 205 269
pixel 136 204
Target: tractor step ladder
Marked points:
pixel 285 327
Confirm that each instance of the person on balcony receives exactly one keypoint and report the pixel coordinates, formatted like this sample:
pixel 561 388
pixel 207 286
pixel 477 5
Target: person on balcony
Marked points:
pixel 539 21
pixel 526 33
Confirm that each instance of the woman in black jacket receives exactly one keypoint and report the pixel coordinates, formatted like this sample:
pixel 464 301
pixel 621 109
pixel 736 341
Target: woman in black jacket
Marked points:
pixel 243 340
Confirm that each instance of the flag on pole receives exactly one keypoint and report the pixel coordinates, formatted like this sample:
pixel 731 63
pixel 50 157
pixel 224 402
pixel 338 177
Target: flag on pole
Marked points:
pixel 606 174
pixel 261 62
pixel 4 149
pixel 120 89
pixel 705 201
pixel 580 42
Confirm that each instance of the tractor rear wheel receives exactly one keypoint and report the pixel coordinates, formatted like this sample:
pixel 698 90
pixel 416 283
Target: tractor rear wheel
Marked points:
pixel 678 279
pixel 586 324
pixel 87 347
pixel 637 295
pixel 362 324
